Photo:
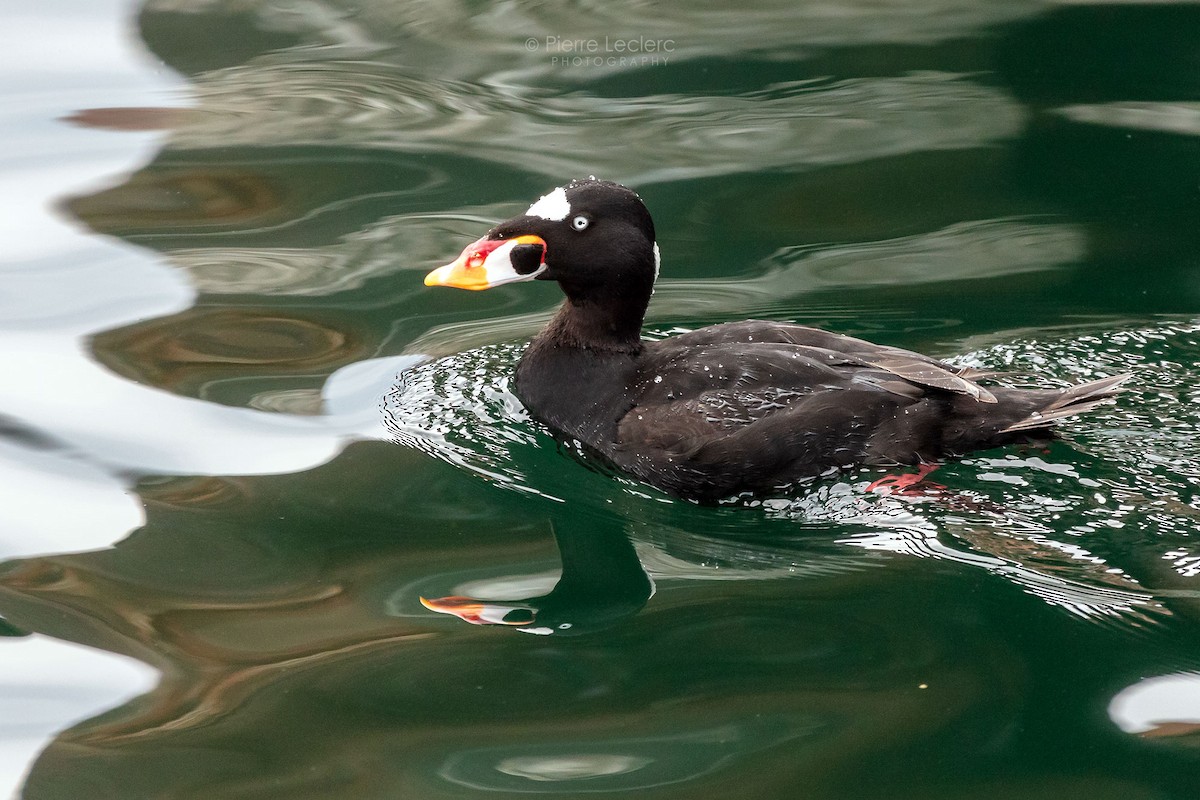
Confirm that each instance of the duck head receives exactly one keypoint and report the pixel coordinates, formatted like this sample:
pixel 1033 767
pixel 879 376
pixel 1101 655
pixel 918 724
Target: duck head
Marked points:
pixel 595 238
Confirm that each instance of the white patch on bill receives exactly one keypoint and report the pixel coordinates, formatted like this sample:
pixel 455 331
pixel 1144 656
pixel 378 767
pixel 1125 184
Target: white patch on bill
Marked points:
pixel 499 268
pixel 552 206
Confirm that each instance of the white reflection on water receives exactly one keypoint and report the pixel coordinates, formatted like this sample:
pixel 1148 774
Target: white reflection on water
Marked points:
pixel 1165 704
pixel 46 686
pixel 570 767
pixel 34 517
pixel 60 283
pixel 133 429
pixel 89 63
pixel 1177 117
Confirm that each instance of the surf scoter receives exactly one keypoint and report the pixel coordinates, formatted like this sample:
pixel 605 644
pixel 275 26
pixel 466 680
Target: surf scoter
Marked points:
pixel 742 406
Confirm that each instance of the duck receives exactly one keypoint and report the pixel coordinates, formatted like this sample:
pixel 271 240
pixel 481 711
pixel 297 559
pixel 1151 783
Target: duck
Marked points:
pixel 750 407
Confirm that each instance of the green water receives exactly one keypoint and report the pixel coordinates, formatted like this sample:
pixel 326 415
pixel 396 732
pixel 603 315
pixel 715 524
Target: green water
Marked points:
pixel 240 440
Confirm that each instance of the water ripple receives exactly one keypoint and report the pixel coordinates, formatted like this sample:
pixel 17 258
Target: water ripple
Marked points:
pixel 509 42
pixel 1054 522
pixel 796 125
pixel 459 409
pixel 400 242
pixel 1132 500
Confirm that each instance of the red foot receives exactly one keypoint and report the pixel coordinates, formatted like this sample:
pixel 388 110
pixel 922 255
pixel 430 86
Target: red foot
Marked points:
pixel 906 485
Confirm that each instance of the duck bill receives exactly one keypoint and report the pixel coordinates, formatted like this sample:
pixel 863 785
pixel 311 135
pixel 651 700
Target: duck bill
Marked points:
pixel 493 262
pixel 477 612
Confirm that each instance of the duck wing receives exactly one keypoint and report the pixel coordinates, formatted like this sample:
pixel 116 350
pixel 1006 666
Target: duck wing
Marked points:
pixel 709 417
pixel 911 367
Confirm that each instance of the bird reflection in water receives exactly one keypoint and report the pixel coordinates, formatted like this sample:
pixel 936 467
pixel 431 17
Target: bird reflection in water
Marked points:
pixel 602 583
pixel 606 578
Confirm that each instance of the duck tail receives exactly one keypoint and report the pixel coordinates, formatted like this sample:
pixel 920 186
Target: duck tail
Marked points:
pixel 1072 401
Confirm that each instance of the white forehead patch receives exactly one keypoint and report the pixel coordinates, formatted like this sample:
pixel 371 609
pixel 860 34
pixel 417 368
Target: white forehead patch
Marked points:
pixel 552 206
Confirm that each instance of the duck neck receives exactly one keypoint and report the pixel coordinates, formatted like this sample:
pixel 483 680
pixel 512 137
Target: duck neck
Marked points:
pixel 605 322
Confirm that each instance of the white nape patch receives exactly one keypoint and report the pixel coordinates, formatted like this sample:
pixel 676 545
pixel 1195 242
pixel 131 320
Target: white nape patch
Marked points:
pixel 657 262
pixel 552 206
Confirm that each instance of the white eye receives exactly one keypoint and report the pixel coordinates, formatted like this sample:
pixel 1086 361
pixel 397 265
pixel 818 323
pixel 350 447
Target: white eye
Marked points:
pixel 579 223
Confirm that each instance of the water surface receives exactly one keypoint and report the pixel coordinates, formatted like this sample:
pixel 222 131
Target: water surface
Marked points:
pixel 240 440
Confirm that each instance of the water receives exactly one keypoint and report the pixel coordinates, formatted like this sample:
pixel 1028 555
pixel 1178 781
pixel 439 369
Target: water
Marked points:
pixel 241 441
